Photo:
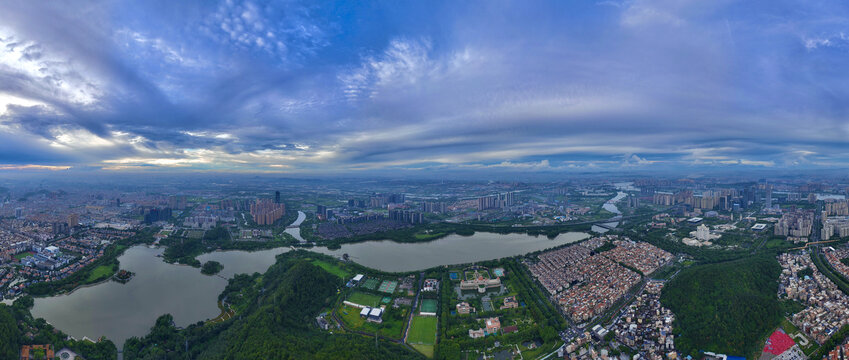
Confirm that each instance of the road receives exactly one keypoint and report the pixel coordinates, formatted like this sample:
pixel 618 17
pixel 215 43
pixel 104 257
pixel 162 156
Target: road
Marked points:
pixel 413 309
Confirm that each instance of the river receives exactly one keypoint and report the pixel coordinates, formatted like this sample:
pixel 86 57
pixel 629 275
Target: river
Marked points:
pixel 120 311
pixel 610 205
pixel 294 228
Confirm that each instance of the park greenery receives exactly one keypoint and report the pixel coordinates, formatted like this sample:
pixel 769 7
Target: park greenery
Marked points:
pixel 726 307
pixel 211 268
pixel 538 319
pixel 184 248
pixel 274 321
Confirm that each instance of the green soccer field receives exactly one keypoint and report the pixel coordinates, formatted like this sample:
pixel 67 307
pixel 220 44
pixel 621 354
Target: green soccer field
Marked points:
pixel 364 299
pixel 423 330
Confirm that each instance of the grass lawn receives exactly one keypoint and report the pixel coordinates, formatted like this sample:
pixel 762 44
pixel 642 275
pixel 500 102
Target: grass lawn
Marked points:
pixel 392 326
pixel 426 350
pixel 351 316
pixel 332 268
pixel 364 299
pixel 428 236
pixel 423 330
pixel 23 255
pixel 99 273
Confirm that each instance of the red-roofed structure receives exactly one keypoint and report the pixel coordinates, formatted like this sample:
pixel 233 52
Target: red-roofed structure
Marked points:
pixel 778 343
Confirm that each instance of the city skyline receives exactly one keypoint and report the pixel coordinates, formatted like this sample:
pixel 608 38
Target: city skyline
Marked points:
pixel 415 88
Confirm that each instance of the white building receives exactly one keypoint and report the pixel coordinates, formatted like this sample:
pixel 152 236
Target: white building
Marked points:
pixel 703 233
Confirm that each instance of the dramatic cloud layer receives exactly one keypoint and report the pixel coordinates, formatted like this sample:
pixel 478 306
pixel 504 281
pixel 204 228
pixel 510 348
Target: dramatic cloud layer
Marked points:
pixel 393 86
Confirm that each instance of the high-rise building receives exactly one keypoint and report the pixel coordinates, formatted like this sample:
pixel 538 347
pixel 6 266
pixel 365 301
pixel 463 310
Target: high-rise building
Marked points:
pixel 396 198
pixel 266 212
pixel 836 207
pixel 177 202
pixel 434 207
pixel 663 198
pixel 156 214
pixel 407 216
pixel 73 220
pixel 60 228
pixel 19 213
pixel 768 198
pixel 495 201
pixel 276 197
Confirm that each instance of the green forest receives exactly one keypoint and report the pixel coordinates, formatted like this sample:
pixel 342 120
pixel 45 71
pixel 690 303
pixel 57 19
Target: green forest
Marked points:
pixel 274 321
pixel 211 268
pixel 727 307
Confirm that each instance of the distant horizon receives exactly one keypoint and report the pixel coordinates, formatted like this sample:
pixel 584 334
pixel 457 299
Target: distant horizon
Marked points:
pixel 723 174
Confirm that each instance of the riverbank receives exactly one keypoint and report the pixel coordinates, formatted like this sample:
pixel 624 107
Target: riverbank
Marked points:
pixel 99 271
pixel 436 231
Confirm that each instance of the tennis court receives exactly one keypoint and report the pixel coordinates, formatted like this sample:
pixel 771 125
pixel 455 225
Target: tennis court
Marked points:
pixel 388 286
pixel 371 283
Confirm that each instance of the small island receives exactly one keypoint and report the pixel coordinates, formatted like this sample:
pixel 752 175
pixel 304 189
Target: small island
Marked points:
pixel 123 276
pixel 211 268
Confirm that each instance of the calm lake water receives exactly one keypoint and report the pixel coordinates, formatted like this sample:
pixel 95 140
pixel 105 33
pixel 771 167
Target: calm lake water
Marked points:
pixel 453 249
pixel 120 311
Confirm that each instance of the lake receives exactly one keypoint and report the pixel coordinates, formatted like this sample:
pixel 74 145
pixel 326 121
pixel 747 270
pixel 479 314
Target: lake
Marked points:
pixel 453 249
pixel 120 311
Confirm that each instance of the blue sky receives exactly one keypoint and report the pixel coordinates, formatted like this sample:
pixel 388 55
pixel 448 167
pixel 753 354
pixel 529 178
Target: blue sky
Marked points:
pixel 323 87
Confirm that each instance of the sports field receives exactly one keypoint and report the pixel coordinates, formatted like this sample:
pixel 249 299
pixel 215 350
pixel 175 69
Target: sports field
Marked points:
pixel 426 350
pixel 364 299
pixel 423 330
pixel 371 283
pixel 331 268
pixel 99 273
pixel 388 286
pixel 428 306
pixel 23 255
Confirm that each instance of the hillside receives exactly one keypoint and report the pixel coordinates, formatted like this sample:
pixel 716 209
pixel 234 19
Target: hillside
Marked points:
pixel 725 307
pixel 276 323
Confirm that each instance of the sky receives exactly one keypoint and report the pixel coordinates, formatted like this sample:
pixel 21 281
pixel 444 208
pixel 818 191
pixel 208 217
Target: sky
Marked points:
pixel 322 87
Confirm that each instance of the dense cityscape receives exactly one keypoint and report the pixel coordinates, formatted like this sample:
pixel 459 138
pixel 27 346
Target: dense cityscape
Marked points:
pixel 607 269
